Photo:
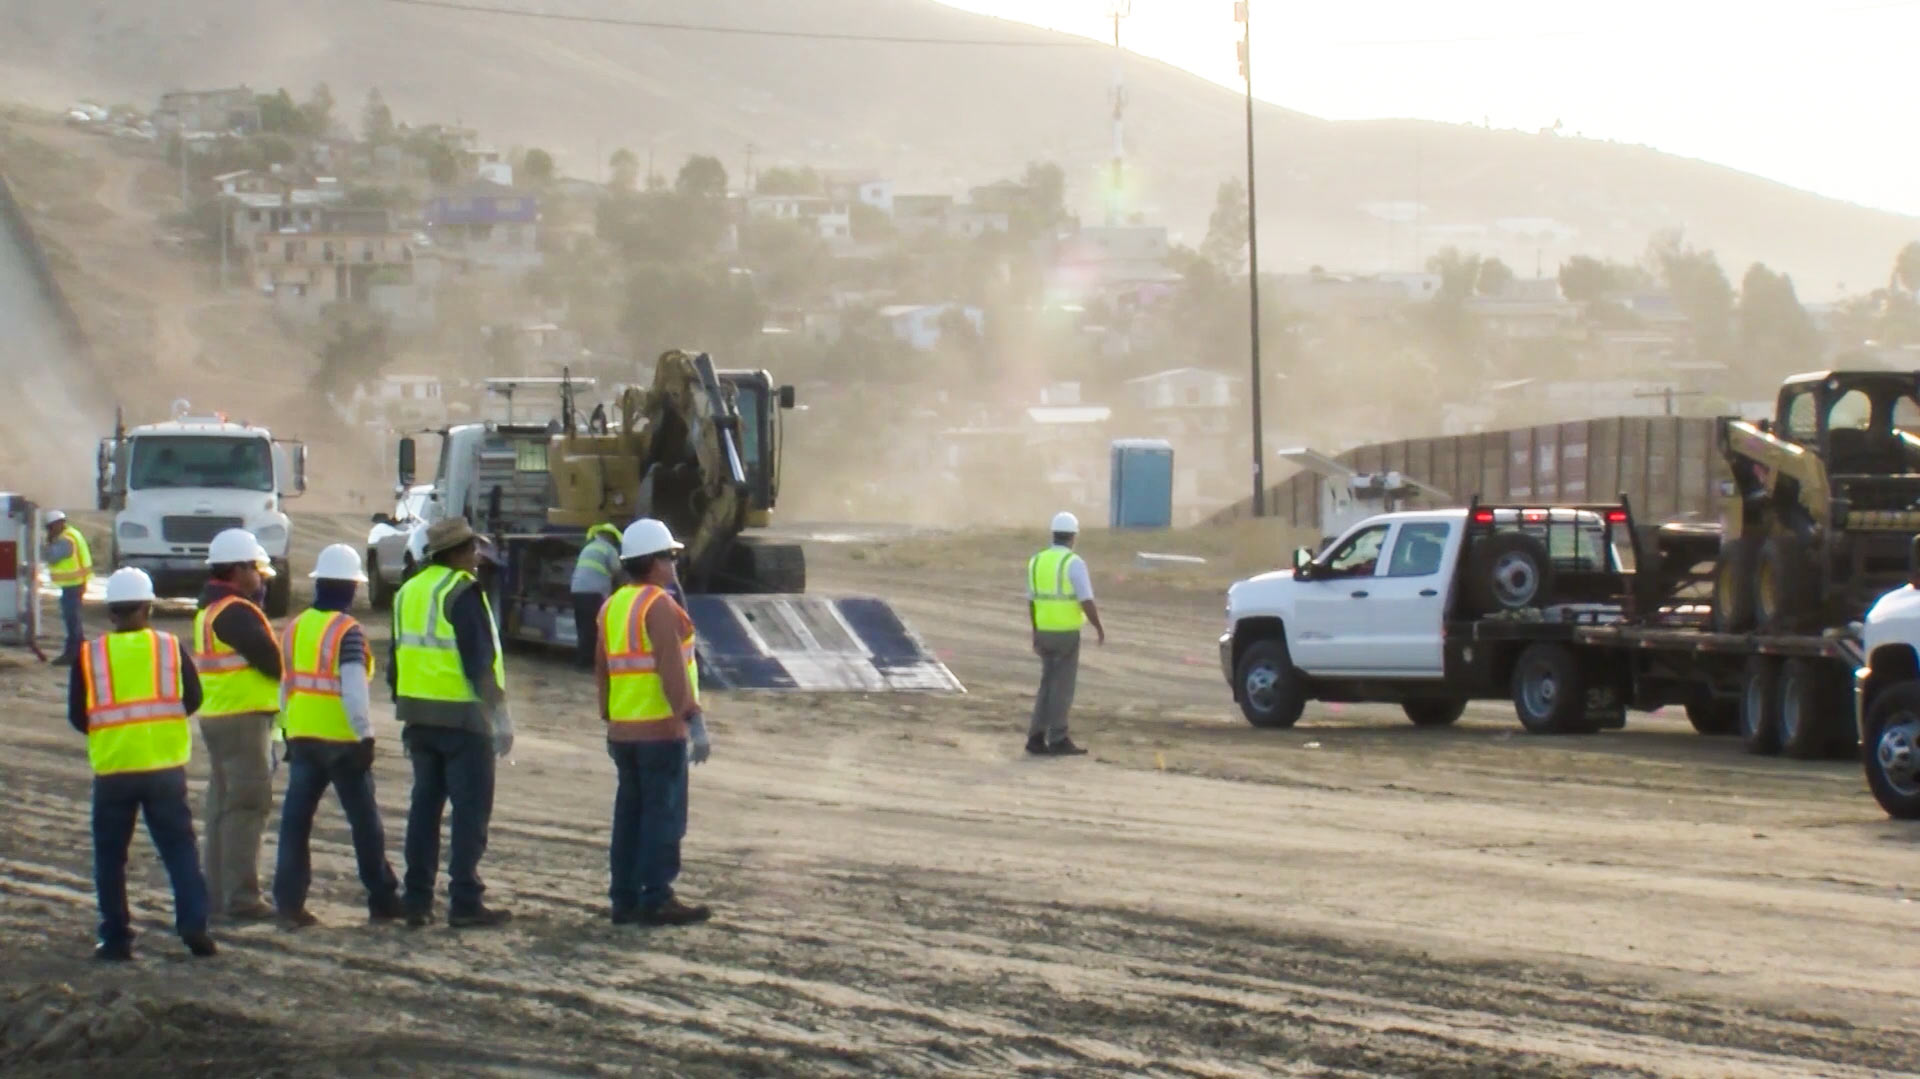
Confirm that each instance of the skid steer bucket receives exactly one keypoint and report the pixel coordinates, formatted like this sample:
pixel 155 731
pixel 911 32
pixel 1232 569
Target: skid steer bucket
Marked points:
pixel 812 643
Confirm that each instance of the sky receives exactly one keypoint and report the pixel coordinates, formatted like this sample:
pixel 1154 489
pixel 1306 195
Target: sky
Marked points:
pixel 1813 94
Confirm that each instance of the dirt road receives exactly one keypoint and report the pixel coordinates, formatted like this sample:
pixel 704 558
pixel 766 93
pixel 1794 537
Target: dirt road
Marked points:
pixel 901 892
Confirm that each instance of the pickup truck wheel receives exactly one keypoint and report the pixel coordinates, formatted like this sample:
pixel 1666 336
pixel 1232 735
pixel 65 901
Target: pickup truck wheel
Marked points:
pixel 1510 571
pixel 1434 713
pixel 1760 706
pixel 1805 722
pixel 1271 694
pixel 379 593
pixel 1891 751
pixel 1550 691
pixel 1710 715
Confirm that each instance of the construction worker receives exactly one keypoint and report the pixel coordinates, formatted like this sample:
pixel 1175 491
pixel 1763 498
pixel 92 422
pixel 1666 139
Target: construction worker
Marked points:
pixel 449 684
pixel 130 694
pixel 325 715
pixel 1059 602
pixel 69 564
pixel 650 699
pixel 238 656
pixel 595 573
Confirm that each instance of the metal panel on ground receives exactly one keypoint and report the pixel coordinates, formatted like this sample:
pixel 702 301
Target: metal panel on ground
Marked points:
pixel 813 643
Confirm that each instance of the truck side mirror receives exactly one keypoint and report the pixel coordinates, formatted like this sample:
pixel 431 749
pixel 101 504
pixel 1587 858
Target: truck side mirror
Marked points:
pixel 406 462
pixel 1303 563
pixel 300 467
pixel 786 397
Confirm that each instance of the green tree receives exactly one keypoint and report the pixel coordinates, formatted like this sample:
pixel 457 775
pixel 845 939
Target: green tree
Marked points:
pixel 1494 277
pixel 537 166
pixel 353 347
pixel 1585 279
pixel 870 224
pixel 626 169
pixel 279 115
pixel 318 111
pixel 785 181
pixel 1773 329
pixel 1046 184
pixel 1700 290
pixel 1226 243
pixel 703 176
pixel 1906 267
pixel 376 119
pixel 443 167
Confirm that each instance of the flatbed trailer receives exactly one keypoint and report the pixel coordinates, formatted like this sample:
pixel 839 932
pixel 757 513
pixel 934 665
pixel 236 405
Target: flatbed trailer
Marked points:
pixel 1780 692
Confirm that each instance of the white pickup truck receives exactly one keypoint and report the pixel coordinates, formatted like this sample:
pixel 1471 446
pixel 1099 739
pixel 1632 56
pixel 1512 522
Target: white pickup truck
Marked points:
pixel 1887 691
pixel 1390 612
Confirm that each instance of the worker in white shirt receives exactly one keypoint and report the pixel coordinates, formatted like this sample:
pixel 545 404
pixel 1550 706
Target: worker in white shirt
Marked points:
pixel 1059 602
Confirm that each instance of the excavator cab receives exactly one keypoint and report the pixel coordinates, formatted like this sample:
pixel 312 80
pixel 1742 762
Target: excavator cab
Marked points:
pixel 760 404
pixel 1856 421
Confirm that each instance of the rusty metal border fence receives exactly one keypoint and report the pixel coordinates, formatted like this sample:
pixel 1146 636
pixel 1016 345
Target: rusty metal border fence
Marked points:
pixel 1667 465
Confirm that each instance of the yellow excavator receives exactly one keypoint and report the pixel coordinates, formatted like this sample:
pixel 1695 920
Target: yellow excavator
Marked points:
pixel 700 449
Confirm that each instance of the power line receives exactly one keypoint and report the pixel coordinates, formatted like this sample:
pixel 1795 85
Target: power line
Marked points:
pixel 739 31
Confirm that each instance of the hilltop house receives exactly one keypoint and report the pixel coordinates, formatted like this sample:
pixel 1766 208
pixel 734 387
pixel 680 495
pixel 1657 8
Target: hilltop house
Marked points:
pixel 485 225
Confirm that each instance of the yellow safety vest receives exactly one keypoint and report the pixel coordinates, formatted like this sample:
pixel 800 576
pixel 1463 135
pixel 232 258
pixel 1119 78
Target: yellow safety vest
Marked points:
pixel 73 570
pixel 311 647
pixel 136 718
pixel 426 655
pixel 228 684
pixel 635 693
pixel 1055 610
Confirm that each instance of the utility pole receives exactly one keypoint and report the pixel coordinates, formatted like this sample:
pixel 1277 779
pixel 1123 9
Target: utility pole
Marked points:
pixel 1117 10
pixel 226 211
pixel 747 187
pixel 1244 17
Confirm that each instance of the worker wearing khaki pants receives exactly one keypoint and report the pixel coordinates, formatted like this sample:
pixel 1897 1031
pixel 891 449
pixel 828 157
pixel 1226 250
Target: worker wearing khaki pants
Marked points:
pixel 1059 602
pixel 238 657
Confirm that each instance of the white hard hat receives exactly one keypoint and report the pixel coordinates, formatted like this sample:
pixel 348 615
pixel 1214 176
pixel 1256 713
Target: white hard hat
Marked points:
pixel 54 517
pixel 338 562
pixel 647 536
pixel 129 585
pixel 1065 523
pixel 237 545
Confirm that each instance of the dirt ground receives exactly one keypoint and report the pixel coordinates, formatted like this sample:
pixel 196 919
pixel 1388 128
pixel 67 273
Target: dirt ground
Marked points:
pixel 901 892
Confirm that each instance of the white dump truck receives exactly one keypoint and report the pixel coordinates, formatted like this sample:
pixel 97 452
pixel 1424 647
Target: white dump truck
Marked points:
pixel 174 485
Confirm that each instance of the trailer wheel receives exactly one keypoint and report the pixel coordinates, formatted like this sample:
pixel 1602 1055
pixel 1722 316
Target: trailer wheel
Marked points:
pixel 1550 691
pixel 1510 571
pixel 1783 584
pixel 1805 722
pixel 1270 688
pixel 1891 751
pixel 1710 715
pixel 1760 706
pixel 1733 586
pixel 1434 712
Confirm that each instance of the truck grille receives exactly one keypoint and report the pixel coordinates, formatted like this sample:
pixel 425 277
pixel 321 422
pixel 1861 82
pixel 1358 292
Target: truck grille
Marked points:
pixel 195 529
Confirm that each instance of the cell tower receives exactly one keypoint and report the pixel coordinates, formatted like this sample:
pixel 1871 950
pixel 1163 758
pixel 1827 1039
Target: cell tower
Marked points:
pixel 1117 10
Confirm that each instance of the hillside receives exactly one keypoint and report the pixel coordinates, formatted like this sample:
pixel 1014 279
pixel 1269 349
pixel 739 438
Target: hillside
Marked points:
pixel 940 117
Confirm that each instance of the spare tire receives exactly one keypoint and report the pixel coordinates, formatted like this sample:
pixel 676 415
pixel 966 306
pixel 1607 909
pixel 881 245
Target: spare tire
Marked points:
pixel 1509 571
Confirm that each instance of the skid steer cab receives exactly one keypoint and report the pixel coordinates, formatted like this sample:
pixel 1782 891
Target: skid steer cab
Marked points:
pixel 1822 504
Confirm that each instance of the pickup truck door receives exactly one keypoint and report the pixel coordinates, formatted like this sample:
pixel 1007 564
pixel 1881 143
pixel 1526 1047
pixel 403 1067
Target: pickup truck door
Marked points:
pixel 1330 634
pixel 1408 604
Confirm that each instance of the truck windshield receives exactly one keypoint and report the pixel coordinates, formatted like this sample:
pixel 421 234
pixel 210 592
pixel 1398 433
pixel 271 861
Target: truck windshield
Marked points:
pixel 241 464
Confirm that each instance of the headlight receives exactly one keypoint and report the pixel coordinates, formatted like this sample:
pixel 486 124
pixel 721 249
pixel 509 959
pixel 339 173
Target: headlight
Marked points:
pixel 271 534
pixel 132 530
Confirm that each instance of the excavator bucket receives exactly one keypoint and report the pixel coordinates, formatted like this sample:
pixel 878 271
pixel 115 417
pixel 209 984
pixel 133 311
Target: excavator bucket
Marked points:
pixel 812 643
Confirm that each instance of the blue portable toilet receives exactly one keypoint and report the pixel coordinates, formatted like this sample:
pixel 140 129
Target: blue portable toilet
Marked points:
pixel 1142 495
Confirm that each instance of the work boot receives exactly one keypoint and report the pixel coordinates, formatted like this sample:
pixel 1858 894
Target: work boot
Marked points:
pixel 200 944
pixel 120 951
pixel 674 912
pixel 298 919
pixel 388 909
pixel 1037 745
pixel 64 659
pixel 252 911
pixel 1064 748
pixel 419 918
pixel 480 918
